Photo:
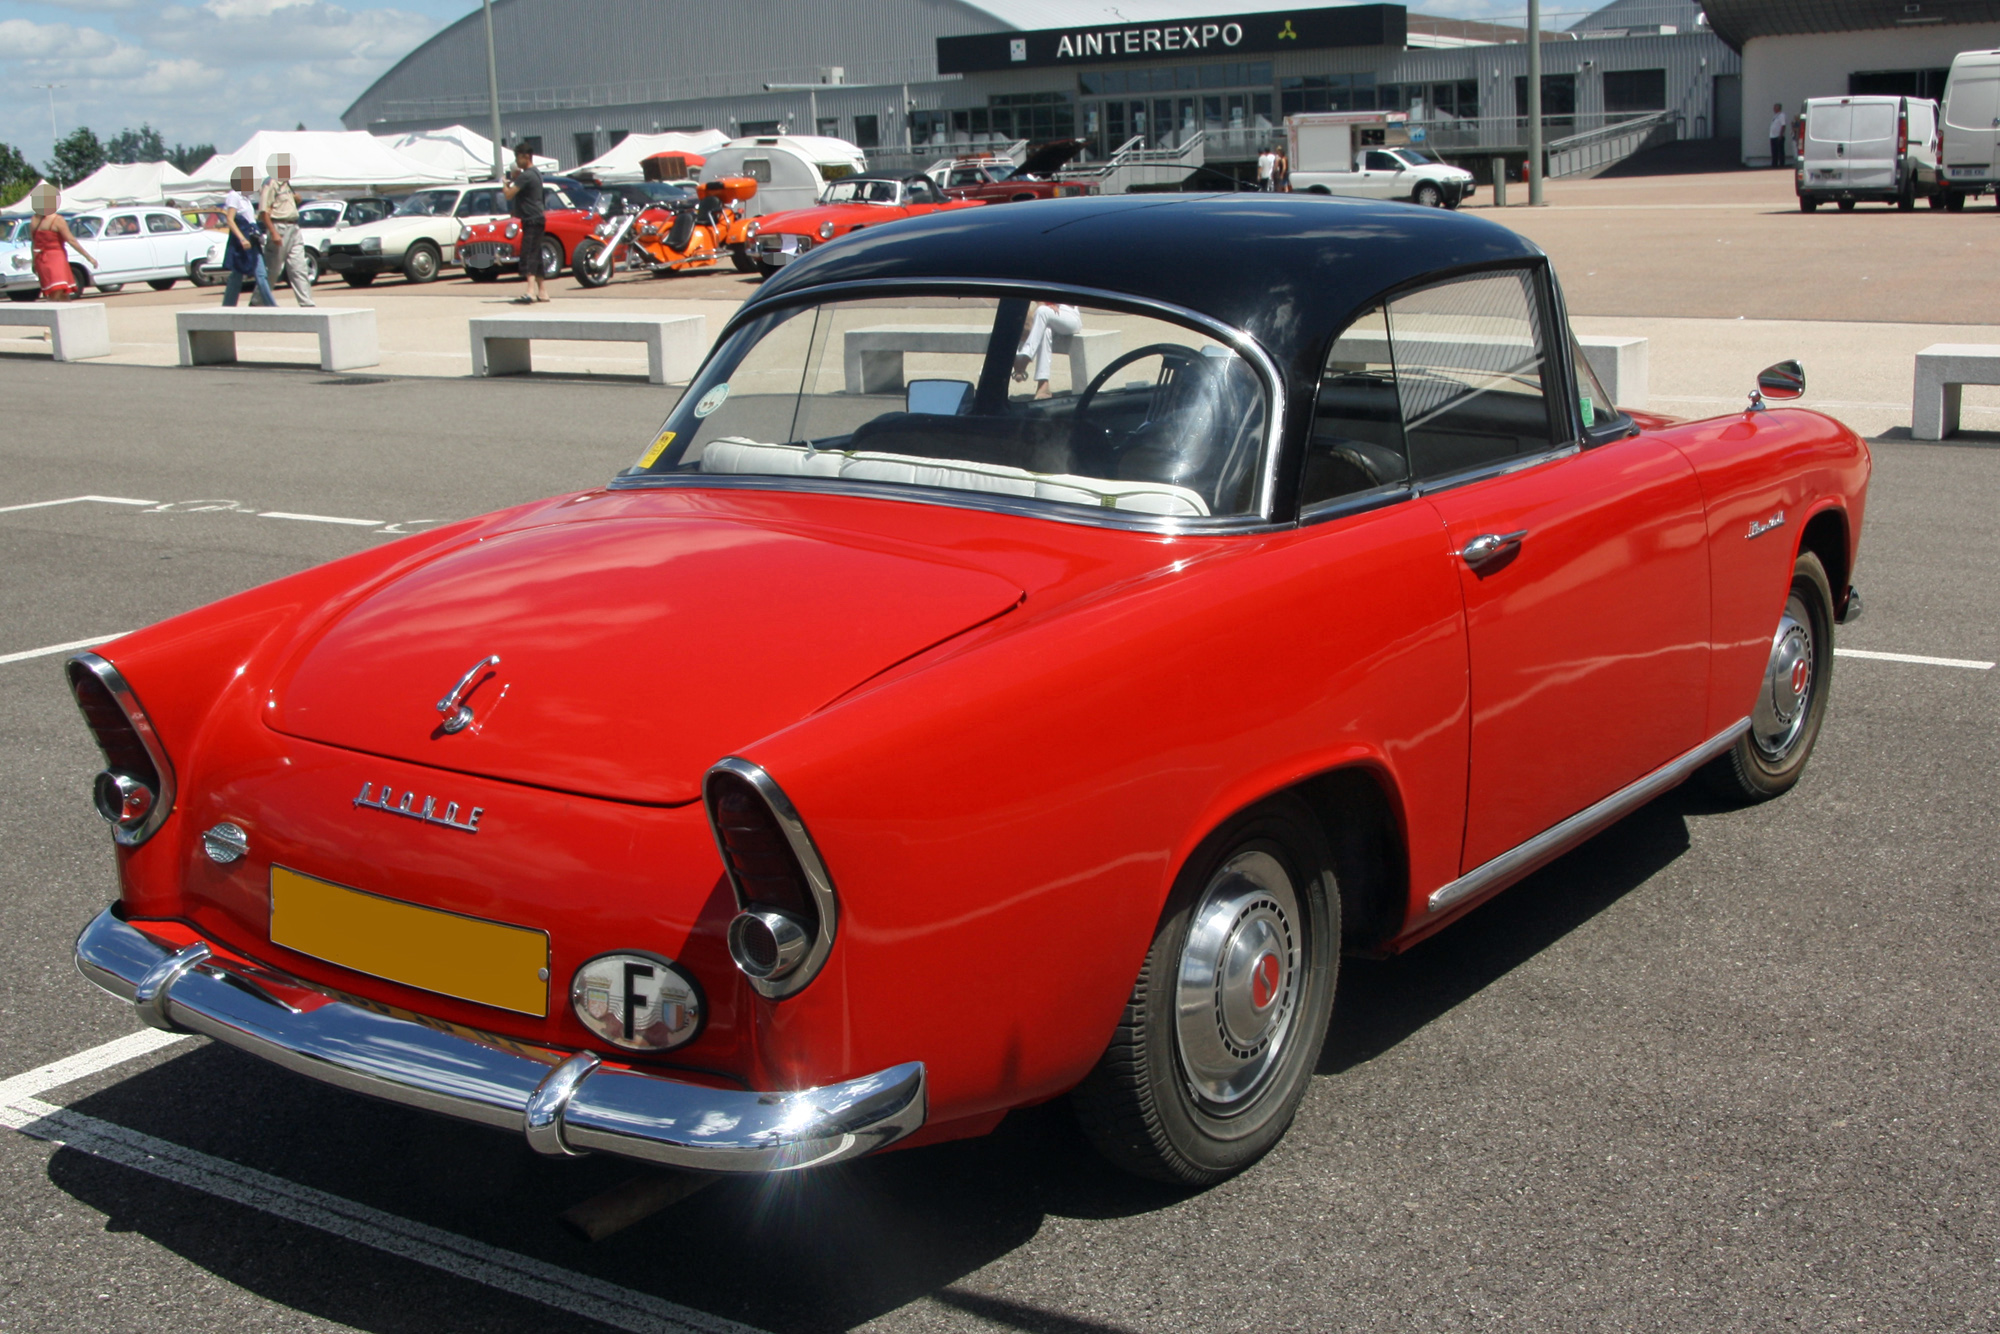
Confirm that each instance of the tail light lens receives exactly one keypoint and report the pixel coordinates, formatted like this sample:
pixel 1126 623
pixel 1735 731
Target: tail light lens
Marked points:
pixel 785 927
pixel 1902 134
pixel 135 792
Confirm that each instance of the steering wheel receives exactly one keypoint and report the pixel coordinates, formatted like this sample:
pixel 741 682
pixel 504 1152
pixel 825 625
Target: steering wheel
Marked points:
pixel 1177 359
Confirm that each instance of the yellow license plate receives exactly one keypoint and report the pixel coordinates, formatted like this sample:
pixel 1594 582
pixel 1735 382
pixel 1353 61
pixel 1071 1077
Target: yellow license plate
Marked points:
pixel 452 955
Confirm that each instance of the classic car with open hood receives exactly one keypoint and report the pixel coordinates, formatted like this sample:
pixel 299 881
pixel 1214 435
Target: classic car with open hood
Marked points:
pixel 1024 663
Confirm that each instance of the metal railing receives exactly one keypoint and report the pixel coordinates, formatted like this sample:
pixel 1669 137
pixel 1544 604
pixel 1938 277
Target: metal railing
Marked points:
pixel 1609 144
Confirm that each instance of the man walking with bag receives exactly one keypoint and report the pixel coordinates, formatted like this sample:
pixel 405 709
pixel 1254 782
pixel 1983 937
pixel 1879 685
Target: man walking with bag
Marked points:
pixel 278 209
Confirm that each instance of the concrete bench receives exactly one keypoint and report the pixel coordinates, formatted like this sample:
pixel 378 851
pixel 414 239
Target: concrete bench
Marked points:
pixel 873 357
pixel 346 333
pixel 76 330
pixel 1623 364
pixel 1943 371
pixel 675 344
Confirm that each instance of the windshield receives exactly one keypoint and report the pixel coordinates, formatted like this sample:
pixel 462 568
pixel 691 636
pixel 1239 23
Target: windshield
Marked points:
pixel 18 229
pixel 1002 396
pixel 855 190
pixel 1415 158
pixel 84 228
pixel 318 217
pixel 428 204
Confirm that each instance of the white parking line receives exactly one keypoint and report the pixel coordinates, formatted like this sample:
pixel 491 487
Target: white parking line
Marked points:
pixel 74 500
pixel 506 1271
pixel 321 518
pixel 49 650
pixel 1973 664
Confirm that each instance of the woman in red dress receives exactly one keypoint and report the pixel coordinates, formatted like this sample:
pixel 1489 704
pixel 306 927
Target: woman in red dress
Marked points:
pixel 49 237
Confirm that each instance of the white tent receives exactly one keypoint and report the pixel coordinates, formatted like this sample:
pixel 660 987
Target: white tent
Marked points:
pixel 467 154
pixel 321 160
pixel 622 162
pixel 120 183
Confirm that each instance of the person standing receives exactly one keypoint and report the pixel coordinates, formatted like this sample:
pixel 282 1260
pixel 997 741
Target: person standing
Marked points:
pixel 1037 350
pixel 51 240
pixel 524 196
pixel 278 209
pixel 1267 168
pixel 1781 126
pixel 243 255
pixel 1281 172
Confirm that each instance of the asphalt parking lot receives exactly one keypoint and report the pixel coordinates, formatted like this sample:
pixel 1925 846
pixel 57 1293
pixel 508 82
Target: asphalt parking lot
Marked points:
pixel 1719 1069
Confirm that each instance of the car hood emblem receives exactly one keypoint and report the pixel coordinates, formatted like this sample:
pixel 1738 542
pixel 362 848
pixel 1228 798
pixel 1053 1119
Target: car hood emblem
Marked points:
pixel 457 713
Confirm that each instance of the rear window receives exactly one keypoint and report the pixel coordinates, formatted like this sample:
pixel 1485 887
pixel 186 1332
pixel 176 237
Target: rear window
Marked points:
pixel 1872 121
pixel 318 217
pixel 1013 396
pixel 1972 104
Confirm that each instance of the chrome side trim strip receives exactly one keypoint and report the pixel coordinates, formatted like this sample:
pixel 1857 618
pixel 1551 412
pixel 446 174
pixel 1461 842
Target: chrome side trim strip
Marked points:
pixel 128 704
pixel 817 879
pixel 1553 842
pixel 573 1107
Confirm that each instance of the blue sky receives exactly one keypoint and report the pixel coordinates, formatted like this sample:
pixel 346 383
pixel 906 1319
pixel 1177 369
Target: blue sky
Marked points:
pixel 218 70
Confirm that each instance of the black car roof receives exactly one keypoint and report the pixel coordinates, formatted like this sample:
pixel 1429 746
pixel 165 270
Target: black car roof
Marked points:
pixel 1287 269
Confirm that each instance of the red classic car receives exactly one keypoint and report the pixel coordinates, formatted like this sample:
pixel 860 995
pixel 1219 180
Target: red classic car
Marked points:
pixel 996 180
pixel 846 205
pixel 1023 664
pixel 491 247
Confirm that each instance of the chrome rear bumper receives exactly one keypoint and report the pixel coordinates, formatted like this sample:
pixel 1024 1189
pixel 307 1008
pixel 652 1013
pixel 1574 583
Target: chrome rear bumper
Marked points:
pixel 572 1107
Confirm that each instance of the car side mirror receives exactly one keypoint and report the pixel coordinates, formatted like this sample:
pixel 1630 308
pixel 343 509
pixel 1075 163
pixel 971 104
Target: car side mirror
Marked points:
pixel 1784 381
pixel 937 398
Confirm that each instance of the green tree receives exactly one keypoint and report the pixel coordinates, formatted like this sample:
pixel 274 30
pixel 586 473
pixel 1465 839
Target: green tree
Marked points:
pixel 187 157
pixel 77 154
pixel 17 174
pixel 141 145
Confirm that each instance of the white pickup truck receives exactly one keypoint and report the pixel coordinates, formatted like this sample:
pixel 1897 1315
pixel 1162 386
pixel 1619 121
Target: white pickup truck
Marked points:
pixel 1366 154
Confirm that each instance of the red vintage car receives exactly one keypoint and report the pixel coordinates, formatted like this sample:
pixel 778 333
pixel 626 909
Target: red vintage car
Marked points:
pixel 491 247
pixel 993 179
pixel 1023 664
pixel 846 205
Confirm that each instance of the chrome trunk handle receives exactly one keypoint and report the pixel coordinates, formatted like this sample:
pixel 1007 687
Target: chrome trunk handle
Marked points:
pixel 1490 546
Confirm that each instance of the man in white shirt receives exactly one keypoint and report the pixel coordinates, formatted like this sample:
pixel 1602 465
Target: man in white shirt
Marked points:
pixel 1267 166
pixel 1780 131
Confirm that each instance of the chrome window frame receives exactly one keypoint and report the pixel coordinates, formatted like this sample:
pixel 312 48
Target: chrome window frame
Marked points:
pixel 1238 341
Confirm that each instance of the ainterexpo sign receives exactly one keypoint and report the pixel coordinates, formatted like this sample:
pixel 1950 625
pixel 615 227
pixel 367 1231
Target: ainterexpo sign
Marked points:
pixel 1224 34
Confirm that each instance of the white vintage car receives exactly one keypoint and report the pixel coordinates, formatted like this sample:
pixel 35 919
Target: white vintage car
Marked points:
pixel 418 240
pixel 128 244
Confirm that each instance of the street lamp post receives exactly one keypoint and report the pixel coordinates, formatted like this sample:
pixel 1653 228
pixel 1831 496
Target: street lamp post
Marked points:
pixel 52 110
pixel 1534 103
pixel 493 89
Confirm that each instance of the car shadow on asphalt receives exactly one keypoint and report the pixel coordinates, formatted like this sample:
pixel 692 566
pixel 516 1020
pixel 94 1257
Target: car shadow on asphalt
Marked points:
pixel 1381 1002
pixel 825 1250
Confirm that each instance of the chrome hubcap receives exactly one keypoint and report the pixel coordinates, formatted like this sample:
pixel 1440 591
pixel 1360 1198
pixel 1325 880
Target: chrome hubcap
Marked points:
pixel 1239 981
pixel 1786 698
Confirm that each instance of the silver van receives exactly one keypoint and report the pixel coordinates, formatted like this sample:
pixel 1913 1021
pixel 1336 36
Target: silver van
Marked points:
pixel 1855 148
pixel 1971 127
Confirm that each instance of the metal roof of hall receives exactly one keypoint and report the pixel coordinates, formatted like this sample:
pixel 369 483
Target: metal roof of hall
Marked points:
pixel 1036 15
pixel 1737 21
pixel 1287 269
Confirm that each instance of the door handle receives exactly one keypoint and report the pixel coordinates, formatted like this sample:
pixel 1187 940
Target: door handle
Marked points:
pixel 1490 546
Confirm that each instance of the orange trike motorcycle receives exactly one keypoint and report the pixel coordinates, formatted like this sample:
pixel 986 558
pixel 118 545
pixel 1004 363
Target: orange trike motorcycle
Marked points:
pixel 694 233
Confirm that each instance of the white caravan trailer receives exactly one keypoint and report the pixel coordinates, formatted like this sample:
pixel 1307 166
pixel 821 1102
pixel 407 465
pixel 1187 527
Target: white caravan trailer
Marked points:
pixel 790 169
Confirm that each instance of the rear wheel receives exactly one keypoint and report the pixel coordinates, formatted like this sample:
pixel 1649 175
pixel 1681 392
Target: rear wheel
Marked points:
pixel 1807 203
pixel 421 264
pixel 81 277
pixel 1428 195
pixel 588 265
pixel 25 294
pixel 1791 701
pixel 551 256
pixel 1224 1025
pixel 162 284
pixel 1907 201
pixel 357 279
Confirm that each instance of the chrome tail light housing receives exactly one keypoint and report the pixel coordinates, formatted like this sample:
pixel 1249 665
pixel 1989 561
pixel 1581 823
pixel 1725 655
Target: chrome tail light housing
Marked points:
pixel 135 792
pixel 787 912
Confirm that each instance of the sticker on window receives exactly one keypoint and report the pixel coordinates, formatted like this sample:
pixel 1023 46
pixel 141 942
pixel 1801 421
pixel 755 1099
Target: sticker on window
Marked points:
pixel 657 448
pixel 711 400
pixel 1589 411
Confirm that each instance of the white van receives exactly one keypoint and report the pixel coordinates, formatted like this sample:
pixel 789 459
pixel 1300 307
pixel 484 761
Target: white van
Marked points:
pixel 790 169
pixel 1855 148
pixel 1971 127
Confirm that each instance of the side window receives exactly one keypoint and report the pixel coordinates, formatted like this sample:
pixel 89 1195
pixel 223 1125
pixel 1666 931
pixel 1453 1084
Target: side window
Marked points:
pixel 1471 362
pixel 1383 162
pixel 1357 435
pixel 164 222
pixel 758 169
pixel 123 226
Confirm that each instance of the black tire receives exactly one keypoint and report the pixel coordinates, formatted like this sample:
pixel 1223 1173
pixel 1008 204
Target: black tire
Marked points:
pixel 110 289
pixel 421 263
pixel 312 266
pixel 200 279
pixel 1317 190
pixel 25 294
pixel 1907 201
pixel 81 277
pixel 583 263
pixel 743 262
pixel 1807 204
pixel 488 274
pixel 1936 199
pixel 552 258
pixel 357 279
pixel 1791 702
pixel 162 284
pixel 1162 1101
pixel 1955 202
pixel 1846 205
pixel 1428 195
